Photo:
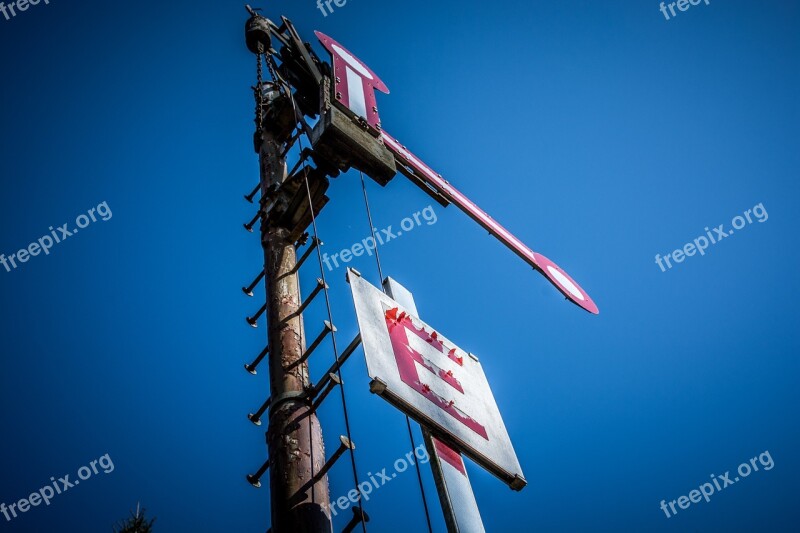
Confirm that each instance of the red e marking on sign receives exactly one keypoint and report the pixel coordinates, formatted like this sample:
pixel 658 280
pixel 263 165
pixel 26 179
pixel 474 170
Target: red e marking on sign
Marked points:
pixel 428 377
pixel 400 325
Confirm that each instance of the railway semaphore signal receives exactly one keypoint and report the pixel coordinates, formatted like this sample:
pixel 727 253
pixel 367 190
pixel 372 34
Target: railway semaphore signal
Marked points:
pixel 456 410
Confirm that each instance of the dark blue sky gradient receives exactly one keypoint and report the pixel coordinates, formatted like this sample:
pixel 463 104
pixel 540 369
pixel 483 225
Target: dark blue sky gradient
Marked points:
pixel 598 132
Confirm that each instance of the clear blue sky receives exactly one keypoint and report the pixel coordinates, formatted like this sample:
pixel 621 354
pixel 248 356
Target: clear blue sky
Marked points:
pixel 601 133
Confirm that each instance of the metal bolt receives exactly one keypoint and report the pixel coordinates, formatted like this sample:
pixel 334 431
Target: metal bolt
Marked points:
pixel 253 320
pixel 345 356
pixel 249 225
pixel 249 289
pixel 302 240
pixel 252 195
pixel 345 445
pixel 359 515
pixel 328 327
pixel 252 366
pixel 318 394
pixel 256 418
pixel 314 243
pixel 320 285
pixel 255 479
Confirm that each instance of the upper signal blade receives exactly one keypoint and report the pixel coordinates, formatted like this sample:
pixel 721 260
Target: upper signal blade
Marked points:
pixel 554 274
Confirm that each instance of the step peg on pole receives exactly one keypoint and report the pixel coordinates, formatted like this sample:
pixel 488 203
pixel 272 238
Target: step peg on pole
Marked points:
pixel 291 142
pixel 249 225
pixel 346 444
pixel 320 286
pixel 252 195
pixel 255 479
pixel 318 393
pixel 249 289
pixel 255 418
pixel 304 154
pixel 251 367
pixel 313 246
pixel 253 320
pixel 334 369
pixel 326 330
pixel 359 515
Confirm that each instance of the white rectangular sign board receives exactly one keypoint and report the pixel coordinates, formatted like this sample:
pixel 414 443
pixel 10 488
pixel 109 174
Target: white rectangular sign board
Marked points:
pixel 432 380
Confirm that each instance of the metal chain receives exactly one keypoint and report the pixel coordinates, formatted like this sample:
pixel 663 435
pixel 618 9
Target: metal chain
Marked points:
pixel 272 69
pixel 260 92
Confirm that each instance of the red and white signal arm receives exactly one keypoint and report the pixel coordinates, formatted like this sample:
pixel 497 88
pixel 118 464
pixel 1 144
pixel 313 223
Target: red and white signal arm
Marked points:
pixel 432 380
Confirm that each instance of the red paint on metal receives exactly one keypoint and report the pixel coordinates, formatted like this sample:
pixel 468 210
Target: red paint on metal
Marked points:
pixel 407 359
pixel 568 286
pixel 448 376
pixel 343 60
pixel 448 454
pixel 577 295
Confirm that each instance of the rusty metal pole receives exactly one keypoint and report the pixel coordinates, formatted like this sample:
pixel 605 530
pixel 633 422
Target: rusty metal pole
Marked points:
pixel 300 497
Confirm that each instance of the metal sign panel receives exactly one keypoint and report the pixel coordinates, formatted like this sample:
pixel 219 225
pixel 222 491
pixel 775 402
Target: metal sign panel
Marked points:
pixel 422 373
pixel 355 83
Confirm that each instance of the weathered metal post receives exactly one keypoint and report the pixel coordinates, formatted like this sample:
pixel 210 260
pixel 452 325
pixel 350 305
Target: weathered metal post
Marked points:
pixel 300 500
pixel 298 484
